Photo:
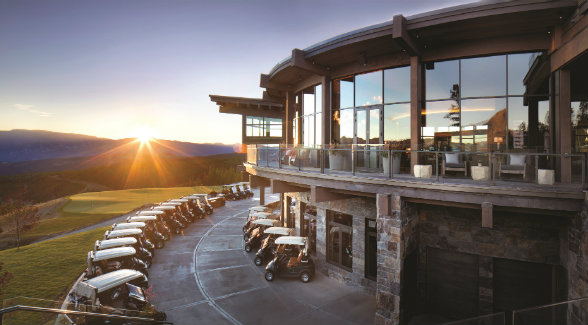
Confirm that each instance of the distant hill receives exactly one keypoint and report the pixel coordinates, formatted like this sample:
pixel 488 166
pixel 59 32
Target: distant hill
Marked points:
pixel 31 151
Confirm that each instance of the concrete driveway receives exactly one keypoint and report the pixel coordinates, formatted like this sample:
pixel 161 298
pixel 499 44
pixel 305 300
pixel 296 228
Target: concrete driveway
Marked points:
pixel 205 277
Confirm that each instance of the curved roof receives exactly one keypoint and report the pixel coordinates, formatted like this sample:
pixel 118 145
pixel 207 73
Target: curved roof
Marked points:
pixel 265 222
pixel 141 219
pixel 128 225
pixel 122 233
pixel 164 207
pixel 116 242
pixel 108 281
pixel 427 33
pixel 279 231
pixel 109 253
pixel 291 240
pixel 149 212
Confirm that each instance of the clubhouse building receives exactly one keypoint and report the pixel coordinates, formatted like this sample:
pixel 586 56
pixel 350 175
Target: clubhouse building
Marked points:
pixel 438 160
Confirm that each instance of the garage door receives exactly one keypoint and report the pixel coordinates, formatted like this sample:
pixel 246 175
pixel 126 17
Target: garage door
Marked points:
pixel 452 283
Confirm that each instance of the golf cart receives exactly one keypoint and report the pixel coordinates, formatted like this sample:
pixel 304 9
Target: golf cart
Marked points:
pixel 119 292
pixel 142 253
pixel 168 216
pixel 184 209
pixel 178 214
pixel 255 216
pixel 245 187
pixel 268 246
pixel 260 224
pixel 240 193
pixel 229 194
pixel 148 235
pixel 151 231
pixel 112 259
pixel 135 233
pixel 285 264
pixel 203 202
pixel 160 225
pixel 194 206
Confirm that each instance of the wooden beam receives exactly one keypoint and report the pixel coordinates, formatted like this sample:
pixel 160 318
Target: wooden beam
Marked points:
pixel 285 187
pixel 416 76
pixel 322 194
pixel 266 82
pixel 300 62
pixel 256 181
pixel 402 38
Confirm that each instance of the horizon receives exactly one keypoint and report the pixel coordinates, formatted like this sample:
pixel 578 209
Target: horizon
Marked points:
pixel 122 70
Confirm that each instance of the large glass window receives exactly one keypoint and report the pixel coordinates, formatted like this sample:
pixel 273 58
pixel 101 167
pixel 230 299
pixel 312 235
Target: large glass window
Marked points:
pixel 397 126
pixel 368 89
pixel 471 103
pixel 580 126
pixel 397 85
pixel 339 239
pixel 256 126
pixel 346 126
pixel 311 119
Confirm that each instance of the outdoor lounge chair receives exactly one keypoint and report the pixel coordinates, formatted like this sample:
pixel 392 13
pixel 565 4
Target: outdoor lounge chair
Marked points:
pixel 516 164
pixel 454 162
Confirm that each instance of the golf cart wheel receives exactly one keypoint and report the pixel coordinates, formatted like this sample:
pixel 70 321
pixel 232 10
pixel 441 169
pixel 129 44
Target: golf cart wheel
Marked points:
pixel 209 212
pixel 269 275
pixel 245 237
pixel 305 277
pixel 160 316
pixel 178 231
pixel 247 248
pixel 258 261
pixel 160 244
pixel 244 229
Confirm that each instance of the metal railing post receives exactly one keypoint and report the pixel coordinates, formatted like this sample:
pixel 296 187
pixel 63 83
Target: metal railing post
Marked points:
pixel 583 170
pixel 390 163
pixel 491 164
pixel 298 159
pixel 279 156
pixel 437 164
pixel 536 169
pixel 322 155
pixel 353 160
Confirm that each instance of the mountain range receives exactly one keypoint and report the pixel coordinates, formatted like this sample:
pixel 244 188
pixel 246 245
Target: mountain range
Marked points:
pixel 28 151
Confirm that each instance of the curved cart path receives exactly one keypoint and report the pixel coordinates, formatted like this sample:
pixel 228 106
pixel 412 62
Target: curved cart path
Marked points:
pixel 205 277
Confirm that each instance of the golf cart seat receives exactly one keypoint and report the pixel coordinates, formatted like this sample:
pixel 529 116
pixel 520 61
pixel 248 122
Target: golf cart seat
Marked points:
pixel 295 260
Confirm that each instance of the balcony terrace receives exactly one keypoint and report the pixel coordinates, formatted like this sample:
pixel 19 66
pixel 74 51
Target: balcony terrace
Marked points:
pixel 478 177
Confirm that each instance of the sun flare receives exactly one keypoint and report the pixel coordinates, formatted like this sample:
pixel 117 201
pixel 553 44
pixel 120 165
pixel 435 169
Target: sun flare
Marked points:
pixel 144 135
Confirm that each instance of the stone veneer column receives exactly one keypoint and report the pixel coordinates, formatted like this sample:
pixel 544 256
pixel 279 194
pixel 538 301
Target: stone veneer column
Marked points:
pixel 358 243
pixel 389 257
pixel 321 239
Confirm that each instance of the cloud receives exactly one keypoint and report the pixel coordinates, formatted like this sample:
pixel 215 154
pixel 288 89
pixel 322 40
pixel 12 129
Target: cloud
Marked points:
pixel 30 109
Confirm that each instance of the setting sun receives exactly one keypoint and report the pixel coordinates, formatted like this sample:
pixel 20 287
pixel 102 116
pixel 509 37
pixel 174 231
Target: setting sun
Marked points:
pixel 144 135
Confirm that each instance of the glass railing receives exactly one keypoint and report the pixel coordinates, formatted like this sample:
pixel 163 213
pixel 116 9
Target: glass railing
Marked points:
pixel 26 310
pixel 376 160
pixel 573 312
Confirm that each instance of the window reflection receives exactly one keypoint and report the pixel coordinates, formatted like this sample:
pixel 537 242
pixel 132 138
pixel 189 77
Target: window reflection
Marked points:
pixel 318 94
pixel 580 126
pixel 441 130
pixel 339 239
pixel 256 126
pixel 361 126
pixel 368 89
pixel 346 126
pixel 483 76
pixel 441 76
pixel 343 93
pixel 518 123
pixel 397 85
pixel 397 126
pixel 483 124
pixel 374 128
pixel 518 66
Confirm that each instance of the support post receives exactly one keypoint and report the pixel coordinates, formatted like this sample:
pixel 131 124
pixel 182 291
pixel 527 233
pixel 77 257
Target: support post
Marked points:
pixel 326 117
pixel 563 123
pixel 487 218
pixel 262 195
pixel 289 116
pixel 416 76
pixel 533 111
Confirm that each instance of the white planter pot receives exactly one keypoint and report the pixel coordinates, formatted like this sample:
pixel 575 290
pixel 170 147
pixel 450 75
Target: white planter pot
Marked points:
pixel 423 171
pixel 395 165
pixel 546 176
pixel 336 161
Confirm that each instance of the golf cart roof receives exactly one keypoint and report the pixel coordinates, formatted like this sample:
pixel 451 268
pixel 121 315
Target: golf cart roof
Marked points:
pixel 105 282
pixel 171 203
pixel 116 242
pixel 291 240
pixel 128 225
pixel 266 222
pixel 278 231
pixel 122 233
pixel 179 200
pixel 149 213
pixel 163 207
pixel 262 215
pixel 107 254
pixel 260 208
pixel 141 219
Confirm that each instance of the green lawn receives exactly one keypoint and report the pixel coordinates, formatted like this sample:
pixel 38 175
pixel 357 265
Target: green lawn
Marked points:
pixel 90 208
pixel 46 270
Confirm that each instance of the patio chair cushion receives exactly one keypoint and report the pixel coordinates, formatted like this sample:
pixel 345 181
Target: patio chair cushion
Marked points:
pixel 452 158
pixel 460 165
pixel 517 159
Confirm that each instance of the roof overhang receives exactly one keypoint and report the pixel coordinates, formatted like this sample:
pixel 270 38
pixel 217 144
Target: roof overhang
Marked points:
pixel 248 106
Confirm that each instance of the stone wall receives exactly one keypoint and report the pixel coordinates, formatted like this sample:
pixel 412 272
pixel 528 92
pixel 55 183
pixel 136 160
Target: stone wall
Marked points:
pixel 360 209
pixel 576 254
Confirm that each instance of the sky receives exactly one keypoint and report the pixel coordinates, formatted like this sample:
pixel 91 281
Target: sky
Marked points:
pixel 119 69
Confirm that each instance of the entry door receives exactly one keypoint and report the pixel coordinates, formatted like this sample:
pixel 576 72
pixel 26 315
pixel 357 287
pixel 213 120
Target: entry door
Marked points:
pixel 368 130
pixel 452 283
